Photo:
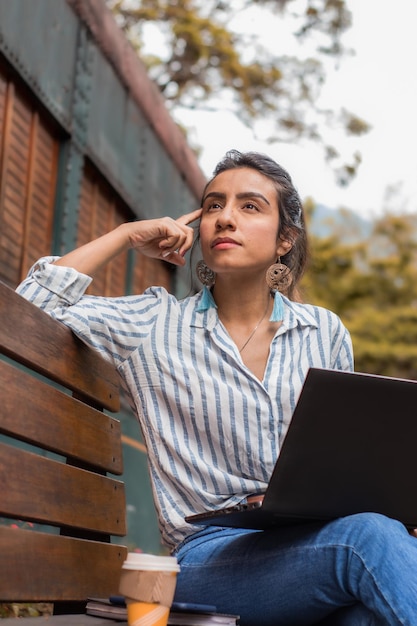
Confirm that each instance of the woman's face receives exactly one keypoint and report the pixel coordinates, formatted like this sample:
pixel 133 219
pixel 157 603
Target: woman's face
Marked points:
pixel 239 222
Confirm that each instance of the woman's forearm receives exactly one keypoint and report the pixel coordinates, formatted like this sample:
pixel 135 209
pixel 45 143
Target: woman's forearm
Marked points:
pixel 161 238
pixel 92 256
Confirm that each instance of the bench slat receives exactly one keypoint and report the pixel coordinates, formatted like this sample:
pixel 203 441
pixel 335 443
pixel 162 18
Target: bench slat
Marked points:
pixel 53 567
pixel 52 492
pixel 31 337
pixel 42 415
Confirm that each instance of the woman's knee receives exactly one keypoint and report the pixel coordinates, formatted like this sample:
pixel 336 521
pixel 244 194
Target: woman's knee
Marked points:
pixel 369 537
pixel 369 525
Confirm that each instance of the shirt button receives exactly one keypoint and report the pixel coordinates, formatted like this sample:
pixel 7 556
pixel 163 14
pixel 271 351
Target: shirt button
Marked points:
pixel 271 436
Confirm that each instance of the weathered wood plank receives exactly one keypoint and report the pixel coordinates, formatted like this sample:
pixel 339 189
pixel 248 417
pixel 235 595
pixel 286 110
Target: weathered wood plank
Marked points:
pixel 43 415
pixel 50 567
pixel 32 337
pixel 43 490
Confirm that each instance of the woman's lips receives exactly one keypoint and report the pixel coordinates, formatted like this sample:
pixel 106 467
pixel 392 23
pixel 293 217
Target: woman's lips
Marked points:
pixel 223 243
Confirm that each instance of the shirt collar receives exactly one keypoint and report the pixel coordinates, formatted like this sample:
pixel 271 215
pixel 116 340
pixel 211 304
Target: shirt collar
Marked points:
pixel 295 313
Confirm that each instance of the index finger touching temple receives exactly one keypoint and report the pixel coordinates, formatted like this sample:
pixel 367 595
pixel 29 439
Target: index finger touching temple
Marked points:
pixel 188 218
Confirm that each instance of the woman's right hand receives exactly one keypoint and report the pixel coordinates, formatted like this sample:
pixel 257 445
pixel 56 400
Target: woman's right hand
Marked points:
pixel 164 238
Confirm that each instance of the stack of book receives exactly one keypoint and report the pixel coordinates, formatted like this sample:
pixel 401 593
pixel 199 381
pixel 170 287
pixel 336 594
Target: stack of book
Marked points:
pixel 181 614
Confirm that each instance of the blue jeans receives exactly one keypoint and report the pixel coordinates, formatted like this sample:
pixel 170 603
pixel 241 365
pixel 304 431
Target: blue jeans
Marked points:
pixel 359 570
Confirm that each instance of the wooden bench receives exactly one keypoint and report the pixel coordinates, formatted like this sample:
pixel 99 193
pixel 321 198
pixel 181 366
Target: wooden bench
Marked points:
pixel 53 392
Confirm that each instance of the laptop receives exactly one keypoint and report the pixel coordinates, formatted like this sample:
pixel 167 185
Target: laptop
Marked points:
pixel 351 447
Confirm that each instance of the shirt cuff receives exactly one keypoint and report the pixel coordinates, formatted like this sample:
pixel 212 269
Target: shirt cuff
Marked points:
pixel 65 282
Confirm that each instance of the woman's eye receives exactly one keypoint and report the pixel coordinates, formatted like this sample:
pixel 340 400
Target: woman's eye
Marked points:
pixel 250 205
pixel 213 206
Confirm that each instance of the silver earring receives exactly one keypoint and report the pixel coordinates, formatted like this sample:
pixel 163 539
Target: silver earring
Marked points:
pixel 279 276
pixel 205 275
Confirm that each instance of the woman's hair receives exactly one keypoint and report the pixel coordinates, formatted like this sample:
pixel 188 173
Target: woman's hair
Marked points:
pixel 291 213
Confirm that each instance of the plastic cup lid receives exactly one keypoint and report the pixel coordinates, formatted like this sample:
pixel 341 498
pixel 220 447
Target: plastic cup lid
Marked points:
pixel 151 562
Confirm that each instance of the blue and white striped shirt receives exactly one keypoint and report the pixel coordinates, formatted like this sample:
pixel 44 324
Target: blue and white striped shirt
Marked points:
pixel 212 429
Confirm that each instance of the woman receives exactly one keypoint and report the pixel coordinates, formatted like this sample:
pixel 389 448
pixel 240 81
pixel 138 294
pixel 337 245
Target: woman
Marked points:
pixel 214 379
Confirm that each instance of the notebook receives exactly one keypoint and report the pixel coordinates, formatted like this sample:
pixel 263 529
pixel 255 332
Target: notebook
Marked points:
pixel 351 447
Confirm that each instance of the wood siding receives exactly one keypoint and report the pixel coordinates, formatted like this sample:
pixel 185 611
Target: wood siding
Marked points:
pixel 29 150
pixel 29 153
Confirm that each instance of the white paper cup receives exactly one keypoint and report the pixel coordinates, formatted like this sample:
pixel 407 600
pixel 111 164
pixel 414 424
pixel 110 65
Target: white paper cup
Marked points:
pixel 148 584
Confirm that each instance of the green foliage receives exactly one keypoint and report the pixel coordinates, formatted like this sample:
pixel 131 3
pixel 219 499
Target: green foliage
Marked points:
pixel 210 57
pixel 385 342
pixel 372 285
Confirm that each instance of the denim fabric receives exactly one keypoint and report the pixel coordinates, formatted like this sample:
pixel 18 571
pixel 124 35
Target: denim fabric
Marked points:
pixel 366 563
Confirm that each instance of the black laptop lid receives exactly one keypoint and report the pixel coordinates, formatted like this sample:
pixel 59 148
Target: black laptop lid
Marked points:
pixel 351 447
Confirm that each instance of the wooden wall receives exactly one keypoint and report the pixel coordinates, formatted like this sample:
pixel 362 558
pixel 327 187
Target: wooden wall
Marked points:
pixel 30 144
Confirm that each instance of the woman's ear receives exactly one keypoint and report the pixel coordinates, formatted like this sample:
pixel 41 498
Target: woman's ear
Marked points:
pixel 284 246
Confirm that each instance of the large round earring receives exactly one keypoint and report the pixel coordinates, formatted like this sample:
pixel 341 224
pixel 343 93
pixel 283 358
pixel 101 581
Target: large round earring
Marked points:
pixel 205 275
pixel 279 276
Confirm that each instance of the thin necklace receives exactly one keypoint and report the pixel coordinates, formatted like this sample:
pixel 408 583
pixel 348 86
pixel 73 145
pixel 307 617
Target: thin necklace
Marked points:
pixel 254 330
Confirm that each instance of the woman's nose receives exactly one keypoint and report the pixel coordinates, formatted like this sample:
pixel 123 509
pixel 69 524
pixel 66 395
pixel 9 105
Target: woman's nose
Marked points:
pixel 226 218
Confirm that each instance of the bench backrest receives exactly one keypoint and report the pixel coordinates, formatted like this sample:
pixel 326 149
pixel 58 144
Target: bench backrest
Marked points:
pixel 53 390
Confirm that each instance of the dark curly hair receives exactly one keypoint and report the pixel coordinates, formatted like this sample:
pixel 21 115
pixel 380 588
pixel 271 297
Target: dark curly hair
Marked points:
pixel 291 212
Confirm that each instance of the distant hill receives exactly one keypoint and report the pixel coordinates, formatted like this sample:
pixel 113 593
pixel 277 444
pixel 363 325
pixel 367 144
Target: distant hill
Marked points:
pixel 348 225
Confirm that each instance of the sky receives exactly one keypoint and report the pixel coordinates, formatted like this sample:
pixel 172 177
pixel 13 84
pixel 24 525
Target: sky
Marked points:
pixel 379 84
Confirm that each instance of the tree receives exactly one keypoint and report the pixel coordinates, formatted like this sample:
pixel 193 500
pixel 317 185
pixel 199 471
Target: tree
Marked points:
pixel 372 284
pixel 210 56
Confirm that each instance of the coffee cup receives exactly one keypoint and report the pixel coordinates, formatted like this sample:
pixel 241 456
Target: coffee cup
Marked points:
pixel 148 584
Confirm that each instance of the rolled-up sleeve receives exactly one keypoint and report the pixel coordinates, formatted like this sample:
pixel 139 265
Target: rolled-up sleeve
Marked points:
pixel 113 326
pixel 50 286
